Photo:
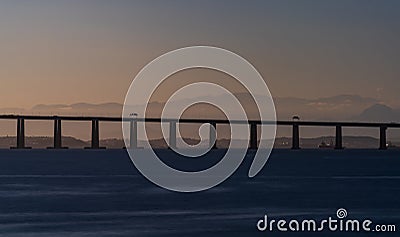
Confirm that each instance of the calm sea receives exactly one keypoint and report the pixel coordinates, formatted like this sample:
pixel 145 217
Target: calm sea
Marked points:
pixel 100 193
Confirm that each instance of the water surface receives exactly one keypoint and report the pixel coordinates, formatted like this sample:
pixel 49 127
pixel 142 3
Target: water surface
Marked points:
pixel 100 193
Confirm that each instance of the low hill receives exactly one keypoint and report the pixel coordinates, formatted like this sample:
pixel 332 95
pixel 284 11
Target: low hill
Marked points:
pixel 113 143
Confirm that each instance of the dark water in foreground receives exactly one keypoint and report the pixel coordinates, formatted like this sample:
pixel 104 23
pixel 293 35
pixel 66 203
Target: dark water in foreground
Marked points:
pixel 100 193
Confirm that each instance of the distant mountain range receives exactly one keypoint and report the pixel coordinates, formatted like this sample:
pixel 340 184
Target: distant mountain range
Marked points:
pixel 341 107
pixel 68 109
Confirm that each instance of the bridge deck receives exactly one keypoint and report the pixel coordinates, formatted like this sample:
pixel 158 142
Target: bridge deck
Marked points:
pixel 133 138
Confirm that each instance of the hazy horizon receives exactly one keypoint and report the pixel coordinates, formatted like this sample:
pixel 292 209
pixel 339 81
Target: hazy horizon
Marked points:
pixel 339 108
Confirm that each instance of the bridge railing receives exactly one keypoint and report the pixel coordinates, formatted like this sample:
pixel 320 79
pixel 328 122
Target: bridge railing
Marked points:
pixel 95 120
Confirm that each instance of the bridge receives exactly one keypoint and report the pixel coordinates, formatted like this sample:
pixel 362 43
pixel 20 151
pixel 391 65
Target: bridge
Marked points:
pixel 95 120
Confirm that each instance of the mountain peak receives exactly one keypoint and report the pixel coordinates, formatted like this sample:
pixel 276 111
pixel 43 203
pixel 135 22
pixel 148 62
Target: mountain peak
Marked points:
pixel 380 112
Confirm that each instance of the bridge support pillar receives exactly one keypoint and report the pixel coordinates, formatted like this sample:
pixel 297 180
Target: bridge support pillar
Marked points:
pixel 20 134
pixel 133 142
pixel 295 137
pixel 253 136
pixel 338 137
pixel 213 135
pixel 382 140
pixel 95 134
pixel 57 135
pixel 172 135
pixel 95 143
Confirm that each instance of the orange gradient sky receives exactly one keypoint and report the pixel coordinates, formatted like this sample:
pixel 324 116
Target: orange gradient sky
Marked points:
pixel 89 51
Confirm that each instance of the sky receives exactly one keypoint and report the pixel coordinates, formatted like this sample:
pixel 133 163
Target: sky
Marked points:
pixel 63 52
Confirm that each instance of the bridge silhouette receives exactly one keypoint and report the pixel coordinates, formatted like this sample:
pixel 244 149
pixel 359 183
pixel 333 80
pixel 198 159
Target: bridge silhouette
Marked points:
pixel 95 120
